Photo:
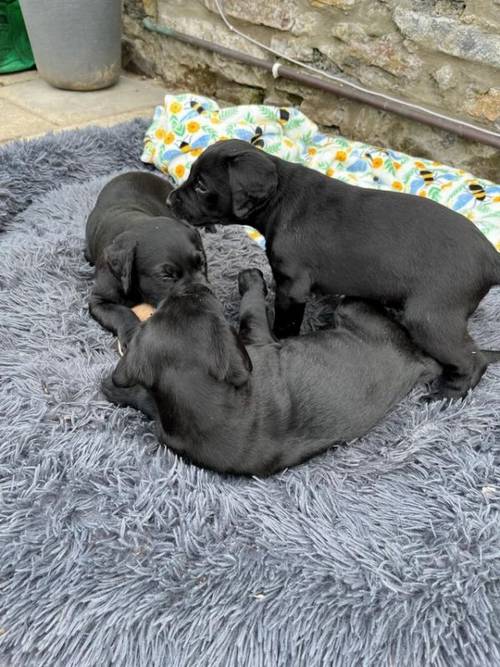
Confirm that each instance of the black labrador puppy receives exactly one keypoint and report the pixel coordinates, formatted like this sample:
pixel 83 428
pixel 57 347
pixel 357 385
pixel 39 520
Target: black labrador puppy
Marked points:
pixel 138 251
pixel 249 404
pixel 326 236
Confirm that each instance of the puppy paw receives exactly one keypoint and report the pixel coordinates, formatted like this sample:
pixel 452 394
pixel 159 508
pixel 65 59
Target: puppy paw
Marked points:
pixel 249 278
pixel 438 396
pixel 114 394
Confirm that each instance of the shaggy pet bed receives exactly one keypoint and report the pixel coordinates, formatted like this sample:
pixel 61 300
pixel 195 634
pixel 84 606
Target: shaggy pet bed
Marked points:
pixel 114 551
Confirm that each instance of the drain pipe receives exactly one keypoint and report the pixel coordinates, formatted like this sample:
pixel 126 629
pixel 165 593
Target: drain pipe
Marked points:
pixel 342 89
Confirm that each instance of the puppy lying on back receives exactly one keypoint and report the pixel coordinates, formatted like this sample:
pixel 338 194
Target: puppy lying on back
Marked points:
pixel 326 236
pixel 139 252
pixel 248 404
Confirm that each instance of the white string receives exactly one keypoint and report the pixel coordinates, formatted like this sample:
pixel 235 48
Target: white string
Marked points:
pixel 337 79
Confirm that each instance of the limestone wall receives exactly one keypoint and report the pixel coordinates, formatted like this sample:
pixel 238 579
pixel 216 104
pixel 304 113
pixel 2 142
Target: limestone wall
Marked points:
pixel 443 54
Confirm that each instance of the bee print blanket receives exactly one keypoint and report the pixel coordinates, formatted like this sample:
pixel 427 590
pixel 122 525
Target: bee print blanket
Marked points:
pixel 186 124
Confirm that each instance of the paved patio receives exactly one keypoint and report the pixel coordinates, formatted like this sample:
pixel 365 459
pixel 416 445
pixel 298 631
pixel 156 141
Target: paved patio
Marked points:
pixel 30 107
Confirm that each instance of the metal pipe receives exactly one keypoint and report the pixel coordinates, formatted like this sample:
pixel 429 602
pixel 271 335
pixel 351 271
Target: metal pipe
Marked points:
pixel 342 89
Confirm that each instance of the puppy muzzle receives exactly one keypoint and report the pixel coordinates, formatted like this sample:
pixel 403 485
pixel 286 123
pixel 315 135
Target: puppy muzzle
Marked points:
pixel 201 279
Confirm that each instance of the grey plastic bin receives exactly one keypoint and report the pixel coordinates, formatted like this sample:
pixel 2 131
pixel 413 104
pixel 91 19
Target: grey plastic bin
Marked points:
pixel 76 43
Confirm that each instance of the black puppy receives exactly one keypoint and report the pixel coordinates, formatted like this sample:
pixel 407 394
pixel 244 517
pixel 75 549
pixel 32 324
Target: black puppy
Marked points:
pixel 324 235
pixel 272 404
pixel 138 251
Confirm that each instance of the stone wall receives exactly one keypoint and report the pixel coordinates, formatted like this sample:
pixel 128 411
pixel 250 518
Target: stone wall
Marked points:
pixel 442 54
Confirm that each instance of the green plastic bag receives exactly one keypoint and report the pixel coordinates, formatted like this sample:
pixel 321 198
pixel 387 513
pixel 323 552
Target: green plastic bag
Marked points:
pixel 15 49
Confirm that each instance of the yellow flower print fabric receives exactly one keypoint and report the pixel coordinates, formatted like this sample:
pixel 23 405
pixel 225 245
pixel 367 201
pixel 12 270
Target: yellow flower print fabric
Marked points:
pixel 186 124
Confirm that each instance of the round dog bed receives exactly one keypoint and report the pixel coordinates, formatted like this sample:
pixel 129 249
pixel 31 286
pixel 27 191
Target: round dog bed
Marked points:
pixel 115 551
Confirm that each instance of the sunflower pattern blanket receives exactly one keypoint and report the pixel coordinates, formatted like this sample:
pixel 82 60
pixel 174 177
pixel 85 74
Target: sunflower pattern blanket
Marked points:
pixel 186 124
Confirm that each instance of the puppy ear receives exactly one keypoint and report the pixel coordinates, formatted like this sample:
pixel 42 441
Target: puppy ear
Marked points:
pixel 119 256
pixel 230 362
pixel 253 179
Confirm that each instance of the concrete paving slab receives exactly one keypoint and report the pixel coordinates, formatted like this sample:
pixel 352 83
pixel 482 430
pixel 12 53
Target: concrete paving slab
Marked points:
pixel 17 122
pixel 66 108
pixel 18 77
pixel 108 121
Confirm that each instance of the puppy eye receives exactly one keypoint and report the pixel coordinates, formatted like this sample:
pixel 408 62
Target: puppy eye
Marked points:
pixel 168 275
pixel 200 188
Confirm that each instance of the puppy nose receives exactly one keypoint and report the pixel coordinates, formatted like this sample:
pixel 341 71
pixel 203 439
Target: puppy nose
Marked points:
pixel 200 277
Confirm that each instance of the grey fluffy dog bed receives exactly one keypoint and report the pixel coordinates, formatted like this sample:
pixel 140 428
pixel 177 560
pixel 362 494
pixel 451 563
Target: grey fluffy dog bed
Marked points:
pixel 116 552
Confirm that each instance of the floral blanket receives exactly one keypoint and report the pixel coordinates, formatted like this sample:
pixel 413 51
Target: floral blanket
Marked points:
pixel 186 124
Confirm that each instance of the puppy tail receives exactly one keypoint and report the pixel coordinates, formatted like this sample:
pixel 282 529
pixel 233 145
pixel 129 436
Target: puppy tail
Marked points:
pixel 491 356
